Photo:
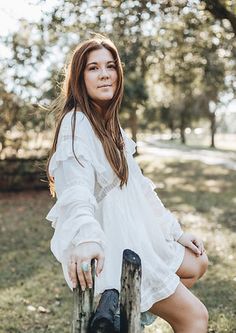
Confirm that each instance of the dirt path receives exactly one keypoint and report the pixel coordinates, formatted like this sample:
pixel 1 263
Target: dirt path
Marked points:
pixel 168 149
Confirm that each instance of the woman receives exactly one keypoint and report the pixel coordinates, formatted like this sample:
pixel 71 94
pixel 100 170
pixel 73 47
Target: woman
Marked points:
pixel 105 204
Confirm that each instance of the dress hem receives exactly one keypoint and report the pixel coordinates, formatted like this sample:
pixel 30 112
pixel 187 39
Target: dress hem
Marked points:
pixel 155 297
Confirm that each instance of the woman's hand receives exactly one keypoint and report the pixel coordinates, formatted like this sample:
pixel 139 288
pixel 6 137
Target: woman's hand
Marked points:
pixel 192 242
pixel 84 252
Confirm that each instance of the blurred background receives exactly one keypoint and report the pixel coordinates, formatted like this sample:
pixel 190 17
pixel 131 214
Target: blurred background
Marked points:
pixel 179 106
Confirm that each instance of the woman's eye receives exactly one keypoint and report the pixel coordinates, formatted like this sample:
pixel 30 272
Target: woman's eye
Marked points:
pixel 95 67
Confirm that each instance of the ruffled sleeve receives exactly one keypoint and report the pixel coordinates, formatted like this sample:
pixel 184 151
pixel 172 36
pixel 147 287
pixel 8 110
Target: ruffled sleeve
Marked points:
pixel 130 145
pixel 169 223
pixel 73 215
pixel 86 146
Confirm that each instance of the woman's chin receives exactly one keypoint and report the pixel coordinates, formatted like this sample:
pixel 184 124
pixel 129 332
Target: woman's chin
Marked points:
pixel 103 99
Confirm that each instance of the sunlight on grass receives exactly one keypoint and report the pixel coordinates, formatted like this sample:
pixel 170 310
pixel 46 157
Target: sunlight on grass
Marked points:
pixel 34 296
pixel 203 198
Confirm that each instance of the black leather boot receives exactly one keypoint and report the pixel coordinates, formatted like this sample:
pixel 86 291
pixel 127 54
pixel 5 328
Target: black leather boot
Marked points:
pixel 106 316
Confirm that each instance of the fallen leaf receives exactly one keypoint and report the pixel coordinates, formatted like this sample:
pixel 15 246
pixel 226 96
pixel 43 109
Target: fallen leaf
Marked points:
pixel 43 310
pixel 31 308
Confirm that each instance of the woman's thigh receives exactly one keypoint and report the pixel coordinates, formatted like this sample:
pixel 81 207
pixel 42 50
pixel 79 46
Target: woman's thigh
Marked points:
pixel 192 265
pixel 183 311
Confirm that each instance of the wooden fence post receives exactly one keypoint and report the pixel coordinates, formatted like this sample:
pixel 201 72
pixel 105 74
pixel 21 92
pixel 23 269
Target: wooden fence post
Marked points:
pixel 107 318
pixel 130 293
pixel 83 306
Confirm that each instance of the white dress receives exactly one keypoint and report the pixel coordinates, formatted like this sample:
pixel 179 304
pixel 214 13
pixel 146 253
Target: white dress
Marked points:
pixel 91 206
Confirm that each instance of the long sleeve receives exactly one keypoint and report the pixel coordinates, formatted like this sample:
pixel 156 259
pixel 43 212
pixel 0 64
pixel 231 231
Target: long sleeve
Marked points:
pixel 76 207
pixel 170 225
pixel 73 215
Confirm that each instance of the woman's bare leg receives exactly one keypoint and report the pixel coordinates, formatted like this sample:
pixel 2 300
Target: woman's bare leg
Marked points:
pixel 192 268
pixel 183 311
pixel 188 282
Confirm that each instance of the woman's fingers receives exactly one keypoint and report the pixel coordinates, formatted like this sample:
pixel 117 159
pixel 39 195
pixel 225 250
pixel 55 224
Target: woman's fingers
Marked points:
pixel 84 253
pixel 100 264
pixel 194 248
pixel 192 242
pixel 72 273
pixel 202 247
pixel 88 276
pixel 199 244
pixel 76 273
pixel 81 277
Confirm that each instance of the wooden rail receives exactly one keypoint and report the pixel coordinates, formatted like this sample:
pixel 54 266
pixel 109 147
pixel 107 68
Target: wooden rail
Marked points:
pixel 115 313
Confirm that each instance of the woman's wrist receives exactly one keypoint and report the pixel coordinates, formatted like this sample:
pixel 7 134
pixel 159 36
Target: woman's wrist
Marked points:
pixel 180 236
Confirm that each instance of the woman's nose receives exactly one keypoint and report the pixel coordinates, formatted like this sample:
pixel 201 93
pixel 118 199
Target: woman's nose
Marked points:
pixel 103 73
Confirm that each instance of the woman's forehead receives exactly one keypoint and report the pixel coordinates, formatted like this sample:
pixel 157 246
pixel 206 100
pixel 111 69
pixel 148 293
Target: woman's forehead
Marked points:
pixel 101 55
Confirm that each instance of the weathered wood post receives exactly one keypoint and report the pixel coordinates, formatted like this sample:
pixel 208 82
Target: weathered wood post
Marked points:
pixel 130 293
pixel 111 316
pixel 83 306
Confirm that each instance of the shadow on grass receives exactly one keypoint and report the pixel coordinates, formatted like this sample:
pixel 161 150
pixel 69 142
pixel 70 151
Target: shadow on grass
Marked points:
pixel 24 240
pixel 32 271
pixel 203 188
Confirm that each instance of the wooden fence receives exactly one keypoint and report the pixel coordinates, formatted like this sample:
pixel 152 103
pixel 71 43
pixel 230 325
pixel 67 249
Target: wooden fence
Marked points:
pixel 115 313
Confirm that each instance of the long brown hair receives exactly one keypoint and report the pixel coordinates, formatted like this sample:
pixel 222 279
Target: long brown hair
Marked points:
pixel 74 97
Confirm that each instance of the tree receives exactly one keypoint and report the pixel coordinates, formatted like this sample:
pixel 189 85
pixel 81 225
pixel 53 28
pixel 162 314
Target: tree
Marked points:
pixel 173 53
pixel 222 10
pixel 194 60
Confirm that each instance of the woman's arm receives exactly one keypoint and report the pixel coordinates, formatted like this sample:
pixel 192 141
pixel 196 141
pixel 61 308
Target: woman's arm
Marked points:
pixel 78 235
pixel 193 242
pixel 170 224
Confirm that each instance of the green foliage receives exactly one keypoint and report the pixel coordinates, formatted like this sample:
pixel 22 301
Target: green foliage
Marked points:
pixel 22 174
pixel 177 58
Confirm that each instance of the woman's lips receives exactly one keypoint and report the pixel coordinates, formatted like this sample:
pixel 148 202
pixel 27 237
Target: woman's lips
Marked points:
pixel 105 86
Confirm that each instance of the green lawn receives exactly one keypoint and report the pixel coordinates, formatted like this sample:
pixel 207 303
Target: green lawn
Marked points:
pixel 34 297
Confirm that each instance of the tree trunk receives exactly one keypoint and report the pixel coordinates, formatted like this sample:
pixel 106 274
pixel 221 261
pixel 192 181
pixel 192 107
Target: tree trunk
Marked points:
pixel 134 126
pixel 130 293
pixel 182 127
pixel 220 11
pixel 172 128
pixel 182 133
pixel 213 128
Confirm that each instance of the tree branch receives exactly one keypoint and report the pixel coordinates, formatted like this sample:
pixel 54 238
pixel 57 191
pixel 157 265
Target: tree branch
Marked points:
pixel 219 11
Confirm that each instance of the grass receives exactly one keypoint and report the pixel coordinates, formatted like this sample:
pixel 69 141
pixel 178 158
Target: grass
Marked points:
pixel 34 296
pixel 203 197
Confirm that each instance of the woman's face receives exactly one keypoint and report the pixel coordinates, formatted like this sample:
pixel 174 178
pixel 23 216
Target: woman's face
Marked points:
pixel 100 76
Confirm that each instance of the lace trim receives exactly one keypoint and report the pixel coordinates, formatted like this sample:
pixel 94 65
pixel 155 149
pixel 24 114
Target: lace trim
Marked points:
pixel 107 189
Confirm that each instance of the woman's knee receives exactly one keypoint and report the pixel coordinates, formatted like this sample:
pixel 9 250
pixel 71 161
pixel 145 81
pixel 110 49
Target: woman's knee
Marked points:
pixel 192 267
pixel 201 266
pixel 202 317
pixel 193 316
pixel 196 320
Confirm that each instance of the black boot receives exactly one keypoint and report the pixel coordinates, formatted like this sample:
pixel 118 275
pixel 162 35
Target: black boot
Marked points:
pixel 106 316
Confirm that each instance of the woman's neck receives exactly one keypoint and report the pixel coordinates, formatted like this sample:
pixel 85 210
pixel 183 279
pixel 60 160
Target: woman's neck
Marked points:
pixel 100 106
